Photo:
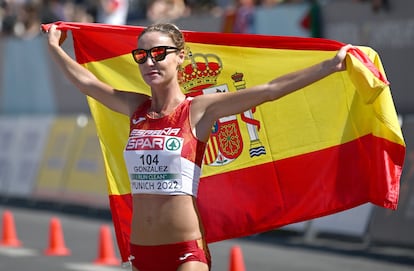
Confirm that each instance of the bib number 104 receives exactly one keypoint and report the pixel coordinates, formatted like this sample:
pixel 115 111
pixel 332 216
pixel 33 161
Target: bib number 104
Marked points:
pixel 148 159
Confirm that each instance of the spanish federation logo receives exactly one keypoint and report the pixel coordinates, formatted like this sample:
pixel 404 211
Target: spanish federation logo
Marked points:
pixel 226 142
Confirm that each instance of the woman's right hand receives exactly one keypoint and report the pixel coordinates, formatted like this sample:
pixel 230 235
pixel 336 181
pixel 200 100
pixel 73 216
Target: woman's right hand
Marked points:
pixel 55 36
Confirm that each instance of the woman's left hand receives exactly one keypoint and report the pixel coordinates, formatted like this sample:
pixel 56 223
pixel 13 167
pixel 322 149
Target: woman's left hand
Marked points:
pixel 339 60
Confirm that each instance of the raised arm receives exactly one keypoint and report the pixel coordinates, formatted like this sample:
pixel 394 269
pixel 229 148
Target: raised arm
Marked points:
pixel 208 108
pixel 119 101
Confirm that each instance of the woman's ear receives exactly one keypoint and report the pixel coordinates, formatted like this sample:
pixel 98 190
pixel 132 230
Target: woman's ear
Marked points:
pixel 181 56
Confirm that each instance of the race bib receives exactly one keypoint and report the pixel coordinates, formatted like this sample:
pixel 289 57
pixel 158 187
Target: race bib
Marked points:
pixel 154 164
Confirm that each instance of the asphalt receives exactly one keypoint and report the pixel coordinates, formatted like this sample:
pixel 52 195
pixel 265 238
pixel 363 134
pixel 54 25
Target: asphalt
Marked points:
pixel 275 250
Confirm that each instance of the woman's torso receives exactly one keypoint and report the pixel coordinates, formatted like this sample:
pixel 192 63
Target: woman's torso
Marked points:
pixel 162 212
pixel 161 219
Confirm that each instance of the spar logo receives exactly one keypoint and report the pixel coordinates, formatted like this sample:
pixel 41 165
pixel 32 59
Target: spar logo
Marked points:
pixel 173 144
pixel 145 143
pixel 199 77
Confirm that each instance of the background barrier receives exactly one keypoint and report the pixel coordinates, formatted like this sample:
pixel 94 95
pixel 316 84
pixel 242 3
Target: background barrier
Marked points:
pixel 49 158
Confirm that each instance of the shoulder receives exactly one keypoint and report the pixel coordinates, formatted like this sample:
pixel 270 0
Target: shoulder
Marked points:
pixel 136 101
pixel 140 106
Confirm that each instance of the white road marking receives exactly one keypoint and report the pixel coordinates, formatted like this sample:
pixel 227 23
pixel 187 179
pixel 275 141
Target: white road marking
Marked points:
pixel 92 267
pixel 17 251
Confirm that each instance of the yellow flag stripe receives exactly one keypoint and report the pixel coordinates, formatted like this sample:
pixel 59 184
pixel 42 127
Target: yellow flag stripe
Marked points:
pixel 326 114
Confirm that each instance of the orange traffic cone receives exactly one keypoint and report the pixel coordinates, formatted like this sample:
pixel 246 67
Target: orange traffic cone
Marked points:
pixel 106 253
pixel 9 237
pixel 57 245
pixel 236 259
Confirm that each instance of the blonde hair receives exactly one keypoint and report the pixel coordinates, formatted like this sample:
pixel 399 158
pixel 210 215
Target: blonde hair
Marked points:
pixel 167 28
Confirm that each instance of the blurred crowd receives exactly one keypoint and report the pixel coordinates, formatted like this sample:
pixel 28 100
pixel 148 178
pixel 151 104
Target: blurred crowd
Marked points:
pixel 21 18
pixel 378 5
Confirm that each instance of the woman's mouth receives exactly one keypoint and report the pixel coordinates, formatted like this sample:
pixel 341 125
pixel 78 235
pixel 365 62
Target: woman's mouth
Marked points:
pixel 152 73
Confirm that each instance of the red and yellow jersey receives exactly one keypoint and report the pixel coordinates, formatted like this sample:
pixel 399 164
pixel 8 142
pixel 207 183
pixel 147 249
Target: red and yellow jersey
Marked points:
pixel 162 155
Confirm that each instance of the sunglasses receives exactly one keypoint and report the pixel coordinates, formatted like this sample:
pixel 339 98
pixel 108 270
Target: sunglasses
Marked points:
pixel 156 53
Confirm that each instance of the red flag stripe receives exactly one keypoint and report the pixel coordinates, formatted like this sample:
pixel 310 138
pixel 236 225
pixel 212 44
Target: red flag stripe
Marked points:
pixel 248 198
pixel 124 39
pixel 359 183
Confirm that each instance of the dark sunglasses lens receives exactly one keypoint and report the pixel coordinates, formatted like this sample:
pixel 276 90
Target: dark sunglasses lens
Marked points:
pixel 158 53
pixel 140 56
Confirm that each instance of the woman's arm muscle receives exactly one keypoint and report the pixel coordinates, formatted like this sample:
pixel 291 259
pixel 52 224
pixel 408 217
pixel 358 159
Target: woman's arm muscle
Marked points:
pixel 120 101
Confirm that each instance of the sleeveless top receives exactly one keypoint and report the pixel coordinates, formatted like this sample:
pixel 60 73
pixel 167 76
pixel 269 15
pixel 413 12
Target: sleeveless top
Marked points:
pixel 162 155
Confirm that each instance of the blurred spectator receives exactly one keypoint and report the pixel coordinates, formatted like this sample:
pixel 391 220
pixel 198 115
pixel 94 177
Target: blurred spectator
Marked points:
pixel 20 18
pixel 82 10
pixel 137 10
pixel 243 21
pixel 239 18
pixel 52 11
pixel 313 20
pixel 8 18
pixel 112 12
pixel 166 10
pixel 28 20
pixel 378 5
pixel 269 3
pixel 205 5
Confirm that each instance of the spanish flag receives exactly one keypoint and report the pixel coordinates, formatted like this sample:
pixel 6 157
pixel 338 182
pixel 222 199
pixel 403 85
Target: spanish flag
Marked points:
pixel 328 147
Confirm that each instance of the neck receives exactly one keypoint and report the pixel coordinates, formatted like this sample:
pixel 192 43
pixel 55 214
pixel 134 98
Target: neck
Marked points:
pixel 164 102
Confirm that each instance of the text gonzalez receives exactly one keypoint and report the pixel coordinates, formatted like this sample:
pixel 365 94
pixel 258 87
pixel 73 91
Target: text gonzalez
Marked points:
pixel 150 168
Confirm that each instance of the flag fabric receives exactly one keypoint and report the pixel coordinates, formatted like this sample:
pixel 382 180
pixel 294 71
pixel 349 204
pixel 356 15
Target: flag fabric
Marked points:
pixel 328 147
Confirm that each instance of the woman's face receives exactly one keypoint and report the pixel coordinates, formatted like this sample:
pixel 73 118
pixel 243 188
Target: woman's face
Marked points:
pixel 159 73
